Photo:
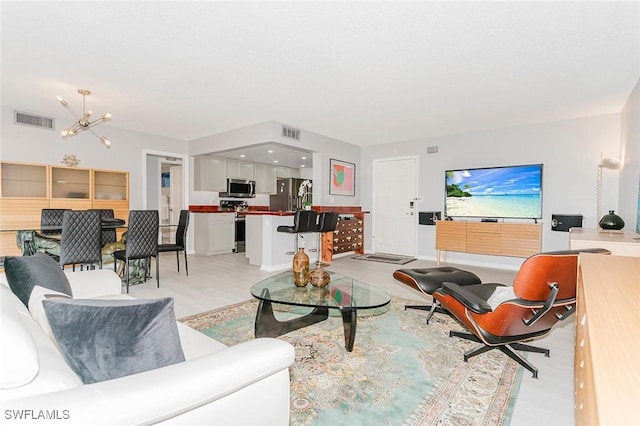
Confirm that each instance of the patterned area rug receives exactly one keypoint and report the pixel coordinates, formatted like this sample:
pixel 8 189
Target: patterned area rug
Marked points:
pixel 401 371
pixel 386 258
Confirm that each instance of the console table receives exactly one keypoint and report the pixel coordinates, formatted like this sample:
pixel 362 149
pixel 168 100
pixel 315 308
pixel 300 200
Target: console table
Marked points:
pixel 620 243
pixel 607 378
pixel 498 239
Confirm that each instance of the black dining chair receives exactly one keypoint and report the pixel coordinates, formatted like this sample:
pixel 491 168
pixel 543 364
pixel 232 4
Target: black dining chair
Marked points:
pixel 80 240
pixel 51 221
pixel 141 242
pixel 180 241
pixel 108 235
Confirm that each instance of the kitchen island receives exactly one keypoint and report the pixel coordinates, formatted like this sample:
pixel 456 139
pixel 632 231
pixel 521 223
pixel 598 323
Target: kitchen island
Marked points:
pixel 268 248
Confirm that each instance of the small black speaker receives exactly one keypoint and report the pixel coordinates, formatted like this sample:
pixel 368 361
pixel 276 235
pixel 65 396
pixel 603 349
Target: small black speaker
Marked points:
pixel 562 222
pixel 428 218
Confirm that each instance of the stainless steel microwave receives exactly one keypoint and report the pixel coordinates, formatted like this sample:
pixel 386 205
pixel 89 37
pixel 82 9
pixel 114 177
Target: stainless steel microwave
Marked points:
pixel 240 188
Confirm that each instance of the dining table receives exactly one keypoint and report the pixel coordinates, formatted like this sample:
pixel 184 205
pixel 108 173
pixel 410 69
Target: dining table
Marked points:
pixel 46 239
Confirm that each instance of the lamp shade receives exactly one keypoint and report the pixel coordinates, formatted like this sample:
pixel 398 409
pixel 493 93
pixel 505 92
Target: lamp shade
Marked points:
pixel 610 163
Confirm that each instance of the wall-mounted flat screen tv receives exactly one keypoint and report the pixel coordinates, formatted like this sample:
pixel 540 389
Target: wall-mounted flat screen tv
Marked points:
pixel 495 192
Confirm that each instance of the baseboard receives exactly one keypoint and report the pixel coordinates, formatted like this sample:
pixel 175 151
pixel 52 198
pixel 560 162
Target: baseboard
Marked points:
pixel 454 261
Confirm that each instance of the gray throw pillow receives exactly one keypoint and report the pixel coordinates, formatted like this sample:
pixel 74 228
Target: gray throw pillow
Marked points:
pixel 25 272
pixel 107 339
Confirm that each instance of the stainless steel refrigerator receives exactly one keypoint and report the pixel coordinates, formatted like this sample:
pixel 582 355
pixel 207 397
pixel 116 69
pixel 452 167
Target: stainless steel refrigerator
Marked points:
pixel 286 198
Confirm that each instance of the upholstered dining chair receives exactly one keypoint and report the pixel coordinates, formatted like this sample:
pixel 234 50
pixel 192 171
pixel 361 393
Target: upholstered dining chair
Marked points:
pixel 180 241
pixel 141 242
pixel 80 239
pixel 51 221
pixel 503 317
pixel 108 235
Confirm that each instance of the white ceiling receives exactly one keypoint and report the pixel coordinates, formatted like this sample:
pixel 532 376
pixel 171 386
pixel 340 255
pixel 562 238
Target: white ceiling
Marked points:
pixel 366 73
pixel 271 153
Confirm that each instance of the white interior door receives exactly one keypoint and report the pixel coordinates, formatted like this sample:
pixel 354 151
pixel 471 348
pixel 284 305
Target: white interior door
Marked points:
pixel 394 212
pixel 176 199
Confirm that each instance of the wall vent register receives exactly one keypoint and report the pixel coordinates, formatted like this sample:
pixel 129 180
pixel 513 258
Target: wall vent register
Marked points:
pixel 33 120
pixel 291 133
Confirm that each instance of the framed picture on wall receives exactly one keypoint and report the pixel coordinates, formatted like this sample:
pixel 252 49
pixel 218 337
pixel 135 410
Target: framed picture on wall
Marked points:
pixel 638 211
pixel 166 180
pixel 343 178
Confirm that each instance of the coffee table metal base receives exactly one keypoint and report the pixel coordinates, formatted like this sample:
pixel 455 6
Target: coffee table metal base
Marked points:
pixel 267 325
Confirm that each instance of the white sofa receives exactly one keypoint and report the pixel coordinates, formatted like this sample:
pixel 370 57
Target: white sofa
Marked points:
pixel 247 384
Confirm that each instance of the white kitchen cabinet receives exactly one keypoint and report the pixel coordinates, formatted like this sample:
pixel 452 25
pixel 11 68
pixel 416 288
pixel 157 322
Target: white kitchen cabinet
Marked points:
pixel 210 174
pixel 287 172
pixel 239 169
pixel 246 170
pixel 214 233
pixel 266 179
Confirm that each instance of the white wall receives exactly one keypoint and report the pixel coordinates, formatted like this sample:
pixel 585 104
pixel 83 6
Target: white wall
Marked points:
pixel 570 151
pixel 630 154
pixel 153 173
pixel 28 144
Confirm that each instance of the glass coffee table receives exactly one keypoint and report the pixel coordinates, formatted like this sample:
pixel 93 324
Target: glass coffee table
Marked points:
pixel 343 294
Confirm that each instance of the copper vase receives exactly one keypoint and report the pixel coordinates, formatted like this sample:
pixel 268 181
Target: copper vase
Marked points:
pixel 319 277
pixel 300 268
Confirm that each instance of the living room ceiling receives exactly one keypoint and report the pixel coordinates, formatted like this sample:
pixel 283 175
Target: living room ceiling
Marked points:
pixel 273 154
pixel 365 73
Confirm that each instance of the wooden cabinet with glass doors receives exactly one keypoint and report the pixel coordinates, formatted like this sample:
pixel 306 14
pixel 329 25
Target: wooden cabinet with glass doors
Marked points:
pixel 24 192
pixel 111 191
pixel 70 188
pixel 26 189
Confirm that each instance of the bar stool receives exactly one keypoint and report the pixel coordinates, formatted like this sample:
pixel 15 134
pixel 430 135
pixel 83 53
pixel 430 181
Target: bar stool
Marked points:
pixel 304 221
pixel 327 222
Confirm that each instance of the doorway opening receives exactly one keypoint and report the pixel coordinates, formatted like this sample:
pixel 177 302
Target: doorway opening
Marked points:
pixel 166 188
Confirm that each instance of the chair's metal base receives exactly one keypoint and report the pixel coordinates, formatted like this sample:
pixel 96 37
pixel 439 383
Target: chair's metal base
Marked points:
pixel 509 350
pixel 431 308
pixel 147 268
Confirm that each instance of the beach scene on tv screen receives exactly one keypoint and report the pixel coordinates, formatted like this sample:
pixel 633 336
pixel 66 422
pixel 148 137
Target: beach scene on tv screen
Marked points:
pixel 495 192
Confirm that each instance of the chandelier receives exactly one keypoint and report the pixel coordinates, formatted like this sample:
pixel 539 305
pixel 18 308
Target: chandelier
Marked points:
pixel 84 122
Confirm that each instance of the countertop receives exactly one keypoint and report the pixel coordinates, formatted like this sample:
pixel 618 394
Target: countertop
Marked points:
pixel 264 210
pixel 604 235
pixel 217 209
pixel 267 213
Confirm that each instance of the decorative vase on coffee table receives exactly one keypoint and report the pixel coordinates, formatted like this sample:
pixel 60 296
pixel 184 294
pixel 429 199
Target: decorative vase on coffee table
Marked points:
pixel 319 277
pixel 300 268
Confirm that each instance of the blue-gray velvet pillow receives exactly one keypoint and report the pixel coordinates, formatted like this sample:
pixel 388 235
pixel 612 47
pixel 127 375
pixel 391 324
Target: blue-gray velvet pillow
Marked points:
pixel 25 272
pixel 107 339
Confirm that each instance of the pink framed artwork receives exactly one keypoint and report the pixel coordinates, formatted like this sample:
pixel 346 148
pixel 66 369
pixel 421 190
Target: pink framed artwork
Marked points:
pixel 343 178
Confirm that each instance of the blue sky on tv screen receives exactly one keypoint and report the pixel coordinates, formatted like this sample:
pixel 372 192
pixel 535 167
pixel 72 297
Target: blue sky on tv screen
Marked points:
pixel 517 180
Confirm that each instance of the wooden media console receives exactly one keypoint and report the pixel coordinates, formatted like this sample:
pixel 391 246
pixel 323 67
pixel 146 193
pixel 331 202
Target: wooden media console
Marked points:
pixel 497 239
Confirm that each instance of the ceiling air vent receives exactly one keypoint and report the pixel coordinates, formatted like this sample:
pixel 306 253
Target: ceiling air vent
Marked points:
pixel 33 120
pixel 291 133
